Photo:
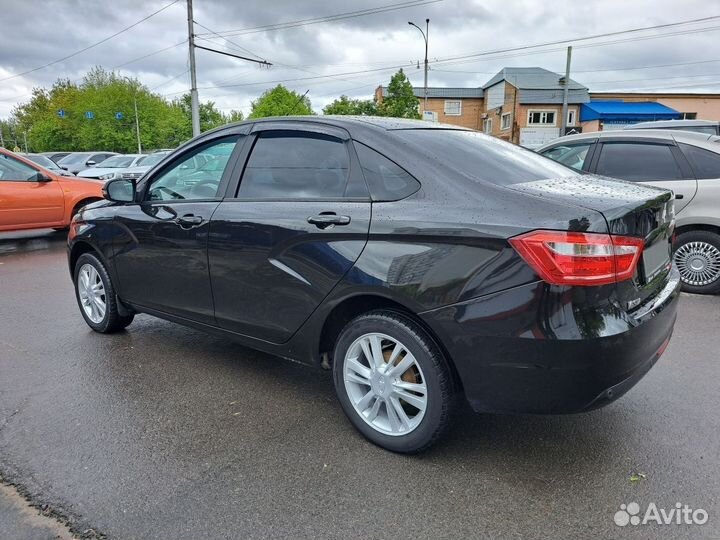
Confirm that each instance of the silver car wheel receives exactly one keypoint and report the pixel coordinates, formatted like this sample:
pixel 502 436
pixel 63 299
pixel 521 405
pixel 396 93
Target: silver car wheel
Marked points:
pixel 92 293
pixel 698 263
pixel 385 384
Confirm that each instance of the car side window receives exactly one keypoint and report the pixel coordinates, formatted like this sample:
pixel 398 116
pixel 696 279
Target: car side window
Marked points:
pixel 572 155
pixel 196 175
pixel 386 180
pixel 705 164
pixel 296 165
pixel 638 162
pixel 12 170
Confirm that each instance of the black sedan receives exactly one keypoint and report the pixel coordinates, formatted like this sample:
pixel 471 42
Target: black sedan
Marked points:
pixel 420 262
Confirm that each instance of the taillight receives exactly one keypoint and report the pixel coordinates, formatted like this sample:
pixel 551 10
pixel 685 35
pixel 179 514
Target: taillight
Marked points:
pixel 573 258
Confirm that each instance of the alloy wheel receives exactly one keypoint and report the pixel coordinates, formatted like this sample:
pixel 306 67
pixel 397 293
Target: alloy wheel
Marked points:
pixel 385 384
pixel 698 263
pixel 91 291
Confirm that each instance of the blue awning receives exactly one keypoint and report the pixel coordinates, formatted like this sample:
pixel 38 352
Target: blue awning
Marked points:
pixel 641 111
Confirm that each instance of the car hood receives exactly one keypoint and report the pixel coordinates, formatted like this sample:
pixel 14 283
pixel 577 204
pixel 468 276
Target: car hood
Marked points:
pixel 138 169
pixel 96 172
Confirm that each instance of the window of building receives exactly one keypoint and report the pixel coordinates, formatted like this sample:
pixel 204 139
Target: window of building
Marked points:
pixel 571 117
pixel 295 165
pixel 541 118
pixel 506 121
pixel 689 116
pixel 487 125
pixel 638 162
pixel 453 107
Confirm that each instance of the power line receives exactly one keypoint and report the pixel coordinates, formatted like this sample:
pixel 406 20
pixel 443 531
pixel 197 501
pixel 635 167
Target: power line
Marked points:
pixel 92 45
pixel 143 57
pixel 243 49
pixel 328 18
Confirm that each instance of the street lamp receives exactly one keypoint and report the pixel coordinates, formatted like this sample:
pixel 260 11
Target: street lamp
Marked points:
pixel 425 35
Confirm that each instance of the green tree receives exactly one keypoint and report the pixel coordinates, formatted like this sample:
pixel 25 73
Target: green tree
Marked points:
pixel 104 94
pixel 280 101
pixel 210 116
pixel 345 105
pixel 233 116
pixel 400 101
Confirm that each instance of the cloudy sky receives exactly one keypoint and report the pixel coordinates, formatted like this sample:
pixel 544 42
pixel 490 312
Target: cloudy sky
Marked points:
pixel 352 55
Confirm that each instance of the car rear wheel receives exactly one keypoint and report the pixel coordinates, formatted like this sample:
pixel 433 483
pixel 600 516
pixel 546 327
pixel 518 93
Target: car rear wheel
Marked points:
pixel 393 383
pixel 697 256
pixel 96 296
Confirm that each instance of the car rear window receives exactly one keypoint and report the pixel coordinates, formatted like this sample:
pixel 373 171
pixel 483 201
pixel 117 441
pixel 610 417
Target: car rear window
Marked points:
pixel 484 157
pixel 705 164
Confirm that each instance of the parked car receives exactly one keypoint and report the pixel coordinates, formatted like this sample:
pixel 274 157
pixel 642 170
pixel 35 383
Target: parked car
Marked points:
pixel 46 163
pixel 79 161
pixel 112 166
pixel 56 156
pixel 418 260
pixel 147 164
pixel 708 127
pixel 686 162
pixel 32 197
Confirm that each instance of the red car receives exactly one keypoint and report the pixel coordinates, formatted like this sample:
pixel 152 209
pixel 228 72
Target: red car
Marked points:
pixel 32 197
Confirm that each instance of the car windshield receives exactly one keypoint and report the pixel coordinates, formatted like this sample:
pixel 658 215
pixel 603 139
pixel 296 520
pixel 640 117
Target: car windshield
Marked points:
pixel 152 159
pixel 484 157
pixel 116 162
pixel 43 161
pixel 75 158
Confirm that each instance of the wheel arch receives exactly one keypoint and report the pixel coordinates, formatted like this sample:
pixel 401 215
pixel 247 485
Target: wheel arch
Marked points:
pixel 83 202
pixel 687 227
pixel 351 307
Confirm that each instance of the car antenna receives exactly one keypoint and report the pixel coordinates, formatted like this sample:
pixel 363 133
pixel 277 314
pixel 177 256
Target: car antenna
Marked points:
pixel 292 110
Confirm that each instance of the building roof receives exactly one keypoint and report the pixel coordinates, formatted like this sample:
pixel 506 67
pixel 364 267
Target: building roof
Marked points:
pixel 532 78
pixel 443 92
pixel 626 110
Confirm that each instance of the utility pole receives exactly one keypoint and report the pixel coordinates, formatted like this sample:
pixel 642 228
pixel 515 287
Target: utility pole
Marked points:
pixel 25 139
pixel 2 140
pixel 137 126
pixel 194 102
pixel 566 87
pixel 425 35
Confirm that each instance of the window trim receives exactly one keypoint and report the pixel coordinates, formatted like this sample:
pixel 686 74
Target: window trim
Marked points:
pixel 571 113
pixel 445 107
pixel 502 120
pixel 546 124
pixel 487 121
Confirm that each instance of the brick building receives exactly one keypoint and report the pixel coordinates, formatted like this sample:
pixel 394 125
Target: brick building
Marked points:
pixel 524 105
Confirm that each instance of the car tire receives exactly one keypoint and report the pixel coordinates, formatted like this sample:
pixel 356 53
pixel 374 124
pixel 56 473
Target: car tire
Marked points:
pixel 697 256
pixel 373 396
pixel 96 296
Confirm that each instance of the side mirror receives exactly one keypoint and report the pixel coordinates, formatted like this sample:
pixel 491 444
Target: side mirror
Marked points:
pixel 119 190
pixel 90 163
pixel 42 177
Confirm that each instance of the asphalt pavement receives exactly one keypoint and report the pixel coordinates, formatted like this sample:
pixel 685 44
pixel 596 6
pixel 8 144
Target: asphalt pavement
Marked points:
pixel 166 432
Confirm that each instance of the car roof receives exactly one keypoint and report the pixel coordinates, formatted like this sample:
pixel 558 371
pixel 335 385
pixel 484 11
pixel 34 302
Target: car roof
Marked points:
pixel 672 123
pixel 645 134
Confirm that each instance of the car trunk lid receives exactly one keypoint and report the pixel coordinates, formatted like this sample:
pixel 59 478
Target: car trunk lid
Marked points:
pixel 630 210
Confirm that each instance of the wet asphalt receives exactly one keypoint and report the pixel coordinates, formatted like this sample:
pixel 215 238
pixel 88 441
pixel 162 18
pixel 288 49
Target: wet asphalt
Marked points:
pixel 166 432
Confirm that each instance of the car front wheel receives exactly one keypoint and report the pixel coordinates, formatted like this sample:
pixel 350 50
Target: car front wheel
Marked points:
pixel 393 383
pixel 697 256
pixel 95 295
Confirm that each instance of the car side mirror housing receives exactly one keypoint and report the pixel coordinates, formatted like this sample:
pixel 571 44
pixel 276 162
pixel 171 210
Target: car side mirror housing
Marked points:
pixel 42 177
pixel 90 163
pixel 119 190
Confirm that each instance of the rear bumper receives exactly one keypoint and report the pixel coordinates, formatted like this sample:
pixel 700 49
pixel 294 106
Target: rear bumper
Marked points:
pixel 546 349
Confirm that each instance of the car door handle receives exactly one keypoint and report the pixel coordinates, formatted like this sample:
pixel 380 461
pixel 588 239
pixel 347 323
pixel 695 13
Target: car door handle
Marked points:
pixel 324 220
pixel 679 196
pixel 189 220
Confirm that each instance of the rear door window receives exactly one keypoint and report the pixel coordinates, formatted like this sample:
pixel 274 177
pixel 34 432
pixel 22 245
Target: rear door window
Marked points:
pixel 296 165
pixel 638 162
pixel 705 164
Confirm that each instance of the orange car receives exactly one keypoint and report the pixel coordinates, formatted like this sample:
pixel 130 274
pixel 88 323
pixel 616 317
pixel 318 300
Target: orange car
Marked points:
pixel 34 198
